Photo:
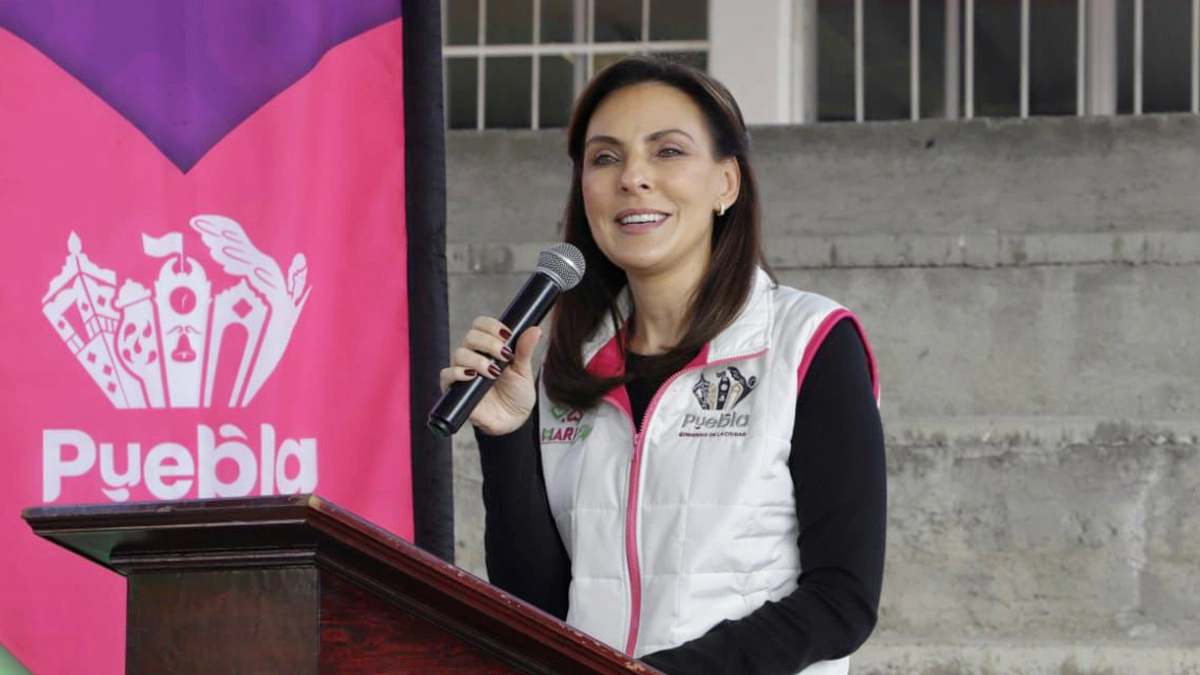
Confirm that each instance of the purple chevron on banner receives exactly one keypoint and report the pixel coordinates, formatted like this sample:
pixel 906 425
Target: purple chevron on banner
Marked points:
pixel 187 72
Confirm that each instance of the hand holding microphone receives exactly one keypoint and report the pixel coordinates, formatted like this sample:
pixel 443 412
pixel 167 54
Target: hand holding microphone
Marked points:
pixel 491 377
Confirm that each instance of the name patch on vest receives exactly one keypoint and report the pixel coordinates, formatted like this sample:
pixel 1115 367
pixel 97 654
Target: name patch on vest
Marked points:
pixel 565 427
pixel 716 416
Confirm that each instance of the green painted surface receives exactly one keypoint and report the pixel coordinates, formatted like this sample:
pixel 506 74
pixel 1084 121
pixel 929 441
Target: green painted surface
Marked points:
pixel 9 664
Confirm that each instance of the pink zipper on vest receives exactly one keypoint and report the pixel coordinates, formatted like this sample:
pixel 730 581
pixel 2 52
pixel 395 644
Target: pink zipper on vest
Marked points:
pixel 635 471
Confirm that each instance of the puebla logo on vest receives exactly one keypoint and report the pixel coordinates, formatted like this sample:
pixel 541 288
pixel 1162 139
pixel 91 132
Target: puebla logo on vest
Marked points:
pixel 565 427
pixel 718 402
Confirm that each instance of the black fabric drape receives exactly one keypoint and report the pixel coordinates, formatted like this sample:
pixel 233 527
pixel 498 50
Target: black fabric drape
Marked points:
pixel 428 329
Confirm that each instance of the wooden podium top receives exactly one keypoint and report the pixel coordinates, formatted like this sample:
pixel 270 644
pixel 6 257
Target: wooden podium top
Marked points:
pixel 289 531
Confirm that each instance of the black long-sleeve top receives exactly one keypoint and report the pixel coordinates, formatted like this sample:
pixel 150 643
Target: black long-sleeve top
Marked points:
pixel 837 467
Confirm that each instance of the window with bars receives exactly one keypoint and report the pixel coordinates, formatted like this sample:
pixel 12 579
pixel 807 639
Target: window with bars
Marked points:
pixel 915 59
pixel 520 63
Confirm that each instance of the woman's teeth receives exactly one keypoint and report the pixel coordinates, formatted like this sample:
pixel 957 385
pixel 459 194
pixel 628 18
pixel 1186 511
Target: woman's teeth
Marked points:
pixel 642 218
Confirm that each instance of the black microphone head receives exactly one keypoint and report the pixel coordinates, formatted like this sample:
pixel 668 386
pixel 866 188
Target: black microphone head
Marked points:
pixel 563 263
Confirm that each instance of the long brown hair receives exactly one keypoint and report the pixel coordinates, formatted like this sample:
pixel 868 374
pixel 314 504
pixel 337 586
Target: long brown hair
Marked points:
pixel 736 247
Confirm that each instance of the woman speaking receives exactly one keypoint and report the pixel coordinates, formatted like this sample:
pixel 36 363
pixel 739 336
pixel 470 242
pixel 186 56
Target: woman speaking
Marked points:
pixel 696 476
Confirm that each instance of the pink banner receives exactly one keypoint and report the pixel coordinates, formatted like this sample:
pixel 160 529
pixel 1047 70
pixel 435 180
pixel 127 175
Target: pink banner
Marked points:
pixel 239 328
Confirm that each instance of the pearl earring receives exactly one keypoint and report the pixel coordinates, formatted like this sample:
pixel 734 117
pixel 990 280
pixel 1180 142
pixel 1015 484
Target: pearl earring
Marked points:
pixel 720 208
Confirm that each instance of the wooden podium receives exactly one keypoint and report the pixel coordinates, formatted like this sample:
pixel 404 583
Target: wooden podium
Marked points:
pixel 297 585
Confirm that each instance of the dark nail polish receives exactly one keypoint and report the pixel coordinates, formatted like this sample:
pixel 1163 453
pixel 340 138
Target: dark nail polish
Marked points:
pixel 505 333
pixel 494 370
pixel 507 353
pixel 470 372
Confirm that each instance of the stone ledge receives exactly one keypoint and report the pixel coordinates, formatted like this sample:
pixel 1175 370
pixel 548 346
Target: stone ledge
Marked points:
pixel 1037 431
pixel 991 658
pixel 883 251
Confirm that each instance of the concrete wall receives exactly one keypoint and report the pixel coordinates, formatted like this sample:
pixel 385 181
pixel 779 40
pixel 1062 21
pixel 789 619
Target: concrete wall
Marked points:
pixel 1030 289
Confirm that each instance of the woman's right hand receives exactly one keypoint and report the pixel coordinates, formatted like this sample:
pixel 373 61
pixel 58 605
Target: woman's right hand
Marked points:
pixel 506 406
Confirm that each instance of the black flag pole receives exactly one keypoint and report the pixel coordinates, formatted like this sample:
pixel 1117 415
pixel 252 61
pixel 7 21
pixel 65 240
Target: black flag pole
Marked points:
pixel 428 311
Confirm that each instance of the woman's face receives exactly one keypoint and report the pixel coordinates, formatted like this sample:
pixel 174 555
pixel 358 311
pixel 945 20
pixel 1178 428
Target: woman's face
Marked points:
pixel 651 184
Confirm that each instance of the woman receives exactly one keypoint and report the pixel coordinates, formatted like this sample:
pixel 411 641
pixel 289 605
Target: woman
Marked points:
pixel 697 476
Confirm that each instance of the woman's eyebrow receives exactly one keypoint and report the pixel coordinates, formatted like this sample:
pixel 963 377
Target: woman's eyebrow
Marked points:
pixel 666 132
pixel 602 139
pixel 650 137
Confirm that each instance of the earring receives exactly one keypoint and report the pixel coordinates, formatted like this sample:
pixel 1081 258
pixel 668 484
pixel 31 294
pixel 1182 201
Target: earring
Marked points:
pixel 720 208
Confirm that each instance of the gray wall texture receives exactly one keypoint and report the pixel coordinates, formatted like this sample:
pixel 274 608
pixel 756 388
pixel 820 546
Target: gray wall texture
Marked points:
pixel 1029 288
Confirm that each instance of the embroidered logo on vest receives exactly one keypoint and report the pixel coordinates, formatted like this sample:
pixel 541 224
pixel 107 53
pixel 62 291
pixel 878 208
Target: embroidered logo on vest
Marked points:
pixel 717 403
pixel 566 427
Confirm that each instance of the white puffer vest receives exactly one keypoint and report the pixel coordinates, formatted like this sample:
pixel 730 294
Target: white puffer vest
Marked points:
pixel 693 521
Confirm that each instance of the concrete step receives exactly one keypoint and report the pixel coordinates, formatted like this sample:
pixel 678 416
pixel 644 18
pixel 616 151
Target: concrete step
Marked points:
pixel 1060 534
pixel 1109 340
pixel 997 658
pixel 1066 529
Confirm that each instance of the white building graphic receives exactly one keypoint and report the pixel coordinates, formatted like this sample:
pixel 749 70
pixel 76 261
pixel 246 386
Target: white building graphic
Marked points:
pixel 163 349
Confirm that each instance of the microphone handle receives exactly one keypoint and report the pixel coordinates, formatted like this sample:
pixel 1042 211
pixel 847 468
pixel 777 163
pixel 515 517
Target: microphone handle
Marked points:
pixel 527 309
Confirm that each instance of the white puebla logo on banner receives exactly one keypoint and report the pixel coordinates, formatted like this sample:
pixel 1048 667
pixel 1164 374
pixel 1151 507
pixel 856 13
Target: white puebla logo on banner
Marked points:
pixel 148 349
pixel 163 349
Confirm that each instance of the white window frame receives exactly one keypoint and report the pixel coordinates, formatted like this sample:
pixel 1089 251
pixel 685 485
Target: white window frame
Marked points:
pixel 583 45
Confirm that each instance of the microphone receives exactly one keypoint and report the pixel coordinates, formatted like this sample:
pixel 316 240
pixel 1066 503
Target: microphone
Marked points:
pixel 559 268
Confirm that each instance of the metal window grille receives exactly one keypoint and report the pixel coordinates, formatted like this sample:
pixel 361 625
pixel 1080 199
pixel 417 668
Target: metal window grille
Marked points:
pixel 946 59
pixel 584 52
pixel 1111 54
